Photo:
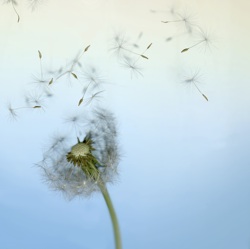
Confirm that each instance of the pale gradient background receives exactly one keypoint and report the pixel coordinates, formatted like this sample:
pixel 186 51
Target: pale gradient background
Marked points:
pixel 185 172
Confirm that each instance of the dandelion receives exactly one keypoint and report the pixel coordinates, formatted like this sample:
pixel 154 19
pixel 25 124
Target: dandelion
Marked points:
pixel 194 79
pixel 120 47
pixel 86 166
pixel 13 111
pixel 204 39
pixel 119 44
pixel 181 18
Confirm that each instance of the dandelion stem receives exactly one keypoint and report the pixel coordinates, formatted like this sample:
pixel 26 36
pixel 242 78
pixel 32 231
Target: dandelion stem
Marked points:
pixel 196 44
pixel 130 51
pixel 18 17
pixel 204 96
pixel 62 74
pixel 197 88
pixel 118 242
pixel 41 69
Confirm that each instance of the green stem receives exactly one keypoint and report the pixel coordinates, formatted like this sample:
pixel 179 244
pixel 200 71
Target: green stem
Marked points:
pixel 118 242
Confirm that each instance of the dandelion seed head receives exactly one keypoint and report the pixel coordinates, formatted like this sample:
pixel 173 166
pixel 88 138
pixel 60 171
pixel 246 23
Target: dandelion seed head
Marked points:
pixel 77 169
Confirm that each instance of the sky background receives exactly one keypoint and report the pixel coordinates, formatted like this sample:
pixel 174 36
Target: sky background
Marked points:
pixel 185 168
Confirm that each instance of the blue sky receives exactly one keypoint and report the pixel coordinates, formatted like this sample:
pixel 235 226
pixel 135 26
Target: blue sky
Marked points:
pixel 184 175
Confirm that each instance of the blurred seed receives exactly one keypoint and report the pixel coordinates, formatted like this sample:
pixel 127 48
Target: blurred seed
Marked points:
pixel 40 54
pixel 86 49
pixel 74 75
pixel 80 101
pixel 184 50
pixel 143 56
pixel 51 81
pixel 205 97
pixel 149 45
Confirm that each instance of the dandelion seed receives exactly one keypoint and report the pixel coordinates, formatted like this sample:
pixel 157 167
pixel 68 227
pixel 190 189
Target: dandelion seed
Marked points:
pixel 40 54
pixel 84 92
pixel 118 44
pixel 13 111
pixel 51 81
pixel 205 96
pixel 194 79
pixel 75 76
pixel 86 49
pixel 40 59
pixel 204 39
pixel 72 65
pixel 119 47
pixel 184 50
pixel 143 56
pixel 149 45
pixel 185 18
pixel 42 85
pixel 80 101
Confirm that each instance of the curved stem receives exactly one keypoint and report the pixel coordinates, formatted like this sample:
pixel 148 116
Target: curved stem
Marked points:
pixel 118 242
pixel 18 17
